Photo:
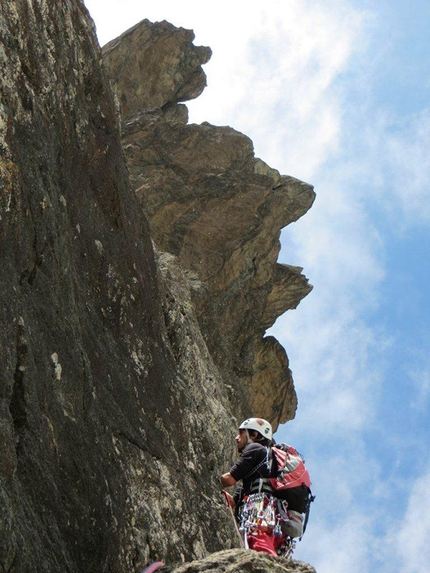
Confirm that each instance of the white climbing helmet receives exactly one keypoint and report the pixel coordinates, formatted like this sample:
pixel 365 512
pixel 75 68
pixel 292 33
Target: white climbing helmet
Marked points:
pixel 259 425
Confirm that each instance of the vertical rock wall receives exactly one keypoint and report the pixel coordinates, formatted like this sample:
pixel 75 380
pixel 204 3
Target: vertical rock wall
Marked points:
pixel 123 371
pixel 105 452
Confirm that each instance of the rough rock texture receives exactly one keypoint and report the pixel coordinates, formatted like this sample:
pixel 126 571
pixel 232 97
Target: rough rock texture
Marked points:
pixel 102 431
pixel 110 374
pixel 220 210
pixel 161 67
pixel 240 561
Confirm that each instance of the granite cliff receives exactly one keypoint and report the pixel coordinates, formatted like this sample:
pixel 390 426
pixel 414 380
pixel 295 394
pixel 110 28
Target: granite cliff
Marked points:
pixel 138 277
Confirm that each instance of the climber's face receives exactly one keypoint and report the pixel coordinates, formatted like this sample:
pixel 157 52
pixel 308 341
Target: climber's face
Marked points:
pixel 241 440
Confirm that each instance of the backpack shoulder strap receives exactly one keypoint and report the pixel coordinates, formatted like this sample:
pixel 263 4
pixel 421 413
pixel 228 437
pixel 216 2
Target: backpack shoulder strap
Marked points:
pixel 266 461
pixel 310 499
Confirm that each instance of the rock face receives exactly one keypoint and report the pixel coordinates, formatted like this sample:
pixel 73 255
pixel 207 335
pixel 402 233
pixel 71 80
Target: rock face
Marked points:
pixel 220 210
pixel 239 561
pixel 165 67
pixel 117 401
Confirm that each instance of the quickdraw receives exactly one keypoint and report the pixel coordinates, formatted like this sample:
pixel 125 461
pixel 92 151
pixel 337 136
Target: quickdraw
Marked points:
pixel 259 514
pixel 264 513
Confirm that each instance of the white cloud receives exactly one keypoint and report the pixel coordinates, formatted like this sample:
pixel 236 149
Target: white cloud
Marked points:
pixel 344 524
pixel 353 529
pixel 393 164
pixel 337 241
pixel 274 77
pixel 337 384
pixel 407 158
pixel 419 375
pixel 421 394
pixel 113 17
pixel 338 547
pixel 408 547
pixel 273 72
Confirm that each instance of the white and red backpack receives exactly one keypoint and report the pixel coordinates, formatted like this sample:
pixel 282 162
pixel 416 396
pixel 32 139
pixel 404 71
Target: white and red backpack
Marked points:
pixel 291 470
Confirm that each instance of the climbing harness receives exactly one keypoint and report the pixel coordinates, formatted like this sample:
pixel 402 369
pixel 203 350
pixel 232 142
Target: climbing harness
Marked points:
pixel 259 514
pixel 264 513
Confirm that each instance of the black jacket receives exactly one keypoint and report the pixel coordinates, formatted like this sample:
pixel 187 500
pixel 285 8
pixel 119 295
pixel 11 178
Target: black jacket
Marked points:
pixel 253 463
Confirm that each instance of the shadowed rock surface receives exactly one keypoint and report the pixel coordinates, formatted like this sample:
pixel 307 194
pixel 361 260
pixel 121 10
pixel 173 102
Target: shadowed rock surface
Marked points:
pixel 116 409
pixel 102 432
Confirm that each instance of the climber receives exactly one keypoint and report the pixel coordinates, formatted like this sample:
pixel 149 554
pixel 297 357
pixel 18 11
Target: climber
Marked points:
pixel 253 444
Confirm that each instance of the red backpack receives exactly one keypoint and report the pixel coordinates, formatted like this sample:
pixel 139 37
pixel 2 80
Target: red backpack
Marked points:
pixel 291 470
pixel 292 482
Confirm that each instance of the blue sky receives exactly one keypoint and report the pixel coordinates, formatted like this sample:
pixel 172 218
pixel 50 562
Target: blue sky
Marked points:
pixel 338 94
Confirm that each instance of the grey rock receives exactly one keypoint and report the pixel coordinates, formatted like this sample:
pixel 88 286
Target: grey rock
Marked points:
pixel 116 414
pixel 101 432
